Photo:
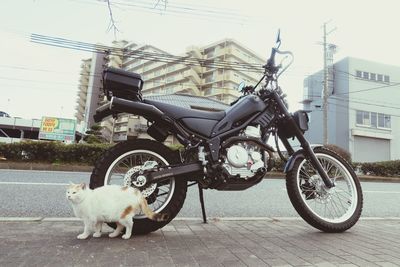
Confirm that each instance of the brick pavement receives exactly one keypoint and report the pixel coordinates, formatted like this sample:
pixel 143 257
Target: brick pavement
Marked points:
pixel 191 243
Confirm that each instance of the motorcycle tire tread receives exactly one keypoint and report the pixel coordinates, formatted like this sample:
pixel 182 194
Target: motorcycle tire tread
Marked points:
pixel 306 214
pixel 143 226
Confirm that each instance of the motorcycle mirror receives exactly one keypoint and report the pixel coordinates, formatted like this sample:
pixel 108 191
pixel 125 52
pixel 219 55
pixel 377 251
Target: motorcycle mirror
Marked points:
pixel 241 86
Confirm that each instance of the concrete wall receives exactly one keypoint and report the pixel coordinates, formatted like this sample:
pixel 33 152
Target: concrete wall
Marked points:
pixel 352 93
pixel 367 95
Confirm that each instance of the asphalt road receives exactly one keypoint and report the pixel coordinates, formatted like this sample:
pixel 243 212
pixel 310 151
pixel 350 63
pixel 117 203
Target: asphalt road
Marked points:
pixel 42 194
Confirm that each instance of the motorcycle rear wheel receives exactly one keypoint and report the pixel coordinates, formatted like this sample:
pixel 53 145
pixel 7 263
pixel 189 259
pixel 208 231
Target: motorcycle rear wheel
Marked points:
pixel 120 161
pixel 330 210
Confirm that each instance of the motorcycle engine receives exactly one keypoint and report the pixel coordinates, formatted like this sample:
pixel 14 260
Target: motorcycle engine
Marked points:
pixel 244 159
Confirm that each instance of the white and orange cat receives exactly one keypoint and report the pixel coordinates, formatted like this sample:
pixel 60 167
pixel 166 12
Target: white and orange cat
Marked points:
pixel 110 203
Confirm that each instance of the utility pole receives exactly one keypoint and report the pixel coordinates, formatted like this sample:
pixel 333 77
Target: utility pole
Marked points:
pixel 325 90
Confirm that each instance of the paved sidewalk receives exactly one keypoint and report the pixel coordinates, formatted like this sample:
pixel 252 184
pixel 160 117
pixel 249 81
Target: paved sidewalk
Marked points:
pixel 192 243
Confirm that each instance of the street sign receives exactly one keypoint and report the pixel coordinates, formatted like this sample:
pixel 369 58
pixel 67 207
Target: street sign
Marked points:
pixel 57 129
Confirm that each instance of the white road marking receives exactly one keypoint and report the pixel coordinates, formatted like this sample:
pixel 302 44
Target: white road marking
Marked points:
pixel 382 192
pixel 371 191
pixel 46 171
pixel 24 183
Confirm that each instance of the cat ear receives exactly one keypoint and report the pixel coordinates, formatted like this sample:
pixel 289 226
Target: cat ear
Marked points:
pixel 83 186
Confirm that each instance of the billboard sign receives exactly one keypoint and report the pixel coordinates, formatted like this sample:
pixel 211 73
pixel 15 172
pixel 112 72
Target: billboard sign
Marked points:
pixel 57 129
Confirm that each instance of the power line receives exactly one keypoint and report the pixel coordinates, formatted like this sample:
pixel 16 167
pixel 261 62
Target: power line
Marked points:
pixel 348 108
pixel 174 9
pixel 35 81
pixel 361 100
pixel 135 54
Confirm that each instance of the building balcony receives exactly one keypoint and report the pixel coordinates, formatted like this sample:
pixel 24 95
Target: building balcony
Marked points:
pixel 193 76
pixel 121 129
pixel 119 137
pixel 140 128
pixel 221 91
pixel 122 119
pixel 187 89
pixel 195 51
pixel 81 102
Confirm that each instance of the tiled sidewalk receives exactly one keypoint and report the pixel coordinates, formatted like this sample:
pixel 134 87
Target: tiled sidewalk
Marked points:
pixel 192 243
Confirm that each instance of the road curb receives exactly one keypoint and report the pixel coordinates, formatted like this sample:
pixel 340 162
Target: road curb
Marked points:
pixel 212 219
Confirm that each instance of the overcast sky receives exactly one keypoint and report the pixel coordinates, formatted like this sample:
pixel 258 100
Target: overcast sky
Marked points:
pixel 38 80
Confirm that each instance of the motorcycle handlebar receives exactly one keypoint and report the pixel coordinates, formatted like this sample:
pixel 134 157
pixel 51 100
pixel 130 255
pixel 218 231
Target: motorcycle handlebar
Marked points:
pixel 271 60
pixel 271 67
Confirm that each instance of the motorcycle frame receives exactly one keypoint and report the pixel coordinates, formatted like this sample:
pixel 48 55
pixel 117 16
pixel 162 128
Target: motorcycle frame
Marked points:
pixel 191 139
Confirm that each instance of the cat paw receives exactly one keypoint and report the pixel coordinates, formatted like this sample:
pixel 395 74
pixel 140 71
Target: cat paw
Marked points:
pixel 126 236
pixel 82 236
pixel 97 235
pixel 112 235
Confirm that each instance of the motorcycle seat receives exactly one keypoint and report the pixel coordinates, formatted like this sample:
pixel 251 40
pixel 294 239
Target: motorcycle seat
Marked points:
pixel 201 122
pixel 178 113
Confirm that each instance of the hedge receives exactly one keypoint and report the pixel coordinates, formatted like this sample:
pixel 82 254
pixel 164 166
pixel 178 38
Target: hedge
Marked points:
pixel 382 168
pixel 56 152
pixel 52 152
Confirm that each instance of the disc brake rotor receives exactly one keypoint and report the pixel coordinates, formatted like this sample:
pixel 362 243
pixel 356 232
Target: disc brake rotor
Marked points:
pixel 131 179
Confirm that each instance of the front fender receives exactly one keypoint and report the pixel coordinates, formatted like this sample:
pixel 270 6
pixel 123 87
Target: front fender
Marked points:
pixel 299 154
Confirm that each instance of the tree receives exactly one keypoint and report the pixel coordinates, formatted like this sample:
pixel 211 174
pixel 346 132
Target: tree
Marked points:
pixel 94 135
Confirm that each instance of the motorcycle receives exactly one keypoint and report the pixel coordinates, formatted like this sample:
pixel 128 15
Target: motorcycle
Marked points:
pixel 226 150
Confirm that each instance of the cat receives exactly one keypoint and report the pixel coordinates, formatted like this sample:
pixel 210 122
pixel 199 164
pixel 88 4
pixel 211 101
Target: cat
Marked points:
pixel 110 203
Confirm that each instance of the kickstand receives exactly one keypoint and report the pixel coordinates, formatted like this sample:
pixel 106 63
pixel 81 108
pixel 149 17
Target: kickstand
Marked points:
pixel 203 209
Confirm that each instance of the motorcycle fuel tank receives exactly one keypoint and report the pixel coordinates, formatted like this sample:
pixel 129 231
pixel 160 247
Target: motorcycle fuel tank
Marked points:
pixel 243 109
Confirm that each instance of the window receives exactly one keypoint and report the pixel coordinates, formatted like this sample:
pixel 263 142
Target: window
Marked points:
pixel 171 68
pixel 209 78
pixel 170 79
pixel 169 90
pixel 372 76
pixel 383 121
pixel 365 75
pixel 366 118
pixel 386 79
pixel 209 91
pixel 359 116
pixel 373 119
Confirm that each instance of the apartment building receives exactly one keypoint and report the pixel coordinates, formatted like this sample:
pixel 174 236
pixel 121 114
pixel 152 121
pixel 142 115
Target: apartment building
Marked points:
pixel 213 71
pixel 363 111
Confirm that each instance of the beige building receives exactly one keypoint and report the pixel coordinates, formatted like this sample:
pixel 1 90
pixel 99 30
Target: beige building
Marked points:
pixel 83 90
pixel 213 71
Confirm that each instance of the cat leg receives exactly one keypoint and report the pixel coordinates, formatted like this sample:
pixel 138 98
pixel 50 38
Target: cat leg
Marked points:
pixel 98 227
pixel 86 230
pixel 117 230
pixel 128 223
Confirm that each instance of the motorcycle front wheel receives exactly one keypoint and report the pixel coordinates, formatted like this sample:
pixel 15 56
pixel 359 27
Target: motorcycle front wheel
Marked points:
pixel 119 164
pixel 331 210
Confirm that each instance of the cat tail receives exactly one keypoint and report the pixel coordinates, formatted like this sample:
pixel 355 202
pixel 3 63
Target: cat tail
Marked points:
pixel 151 214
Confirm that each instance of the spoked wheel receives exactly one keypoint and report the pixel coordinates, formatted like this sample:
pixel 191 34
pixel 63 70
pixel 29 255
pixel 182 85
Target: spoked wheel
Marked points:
pixel 121 165
pixel 330 210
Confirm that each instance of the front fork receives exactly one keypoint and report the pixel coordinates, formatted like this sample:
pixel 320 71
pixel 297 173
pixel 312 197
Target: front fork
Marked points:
pixel 308 151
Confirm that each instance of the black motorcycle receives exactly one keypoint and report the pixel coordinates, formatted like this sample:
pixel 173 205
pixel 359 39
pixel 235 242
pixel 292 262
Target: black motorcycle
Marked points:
pixel 224 150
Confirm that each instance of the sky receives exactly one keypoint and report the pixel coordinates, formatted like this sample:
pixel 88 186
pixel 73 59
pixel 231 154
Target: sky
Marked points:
pixel 38 80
